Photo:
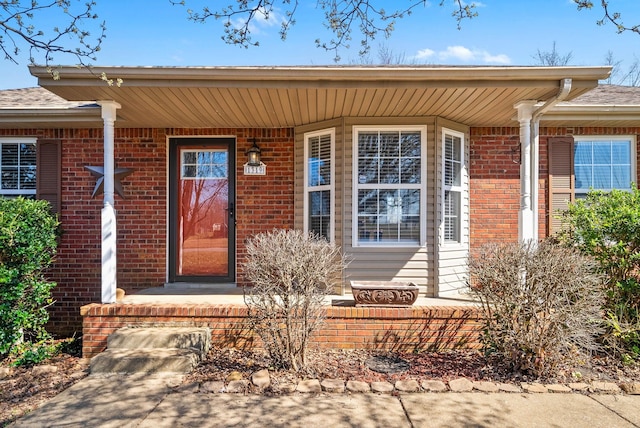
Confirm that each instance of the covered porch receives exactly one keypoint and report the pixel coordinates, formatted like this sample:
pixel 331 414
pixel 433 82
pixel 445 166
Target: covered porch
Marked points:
pixel 344 111
pixel 338 109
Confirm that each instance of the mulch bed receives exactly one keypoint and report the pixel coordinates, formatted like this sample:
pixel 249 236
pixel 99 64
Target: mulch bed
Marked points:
pixel 27 388
pixel 369 366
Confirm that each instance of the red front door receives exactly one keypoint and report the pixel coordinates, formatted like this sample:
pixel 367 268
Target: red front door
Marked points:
pixel 201 210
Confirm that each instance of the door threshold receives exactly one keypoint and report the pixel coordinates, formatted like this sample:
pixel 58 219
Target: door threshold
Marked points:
pixel 204 286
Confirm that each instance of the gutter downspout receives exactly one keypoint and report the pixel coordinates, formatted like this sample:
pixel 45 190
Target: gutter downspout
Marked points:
pixel 565 89
pixel 529 119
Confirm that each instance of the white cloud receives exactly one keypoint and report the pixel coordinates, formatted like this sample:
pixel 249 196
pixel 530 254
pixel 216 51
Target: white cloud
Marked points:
pixel 459 53
pixel 462 54
pixel 424 53
pixel 496 59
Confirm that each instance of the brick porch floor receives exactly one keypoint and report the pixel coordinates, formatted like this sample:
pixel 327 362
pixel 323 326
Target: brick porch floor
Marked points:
pixel 431 323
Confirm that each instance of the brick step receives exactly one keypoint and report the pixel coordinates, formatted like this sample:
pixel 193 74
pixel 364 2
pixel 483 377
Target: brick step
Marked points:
pixel 154 360
pixel 161 337
pixel 153 350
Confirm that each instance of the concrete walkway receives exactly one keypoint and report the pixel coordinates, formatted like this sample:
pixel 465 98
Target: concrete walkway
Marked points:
pixel 135 401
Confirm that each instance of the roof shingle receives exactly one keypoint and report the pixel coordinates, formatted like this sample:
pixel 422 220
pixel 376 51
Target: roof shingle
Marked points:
pixel 34 98
pixel 608 95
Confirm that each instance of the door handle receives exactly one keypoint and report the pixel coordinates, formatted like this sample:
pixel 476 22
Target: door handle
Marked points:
pixel 230 209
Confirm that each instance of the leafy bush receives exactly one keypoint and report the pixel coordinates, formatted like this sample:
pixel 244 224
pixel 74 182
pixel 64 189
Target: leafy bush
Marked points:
pixel 28 240
pixel 27 354
pixel 291 273
pixel 606 225
pixel 541 303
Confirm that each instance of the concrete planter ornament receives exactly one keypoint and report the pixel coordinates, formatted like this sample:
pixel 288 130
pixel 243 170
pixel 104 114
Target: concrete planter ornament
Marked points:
pixel 384 293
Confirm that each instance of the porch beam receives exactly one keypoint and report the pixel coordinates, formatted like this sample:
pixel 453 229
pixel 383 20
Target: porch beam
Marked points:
pixel 108 214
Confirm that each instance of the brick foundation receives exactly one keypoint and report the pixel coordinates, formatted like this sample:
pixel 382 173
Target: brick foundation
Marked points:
pixel 401 329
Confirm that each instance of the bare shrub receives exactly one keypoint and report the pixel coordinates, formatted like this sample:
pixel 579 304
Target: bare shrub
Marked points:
pixel 291 273
pixel 541 302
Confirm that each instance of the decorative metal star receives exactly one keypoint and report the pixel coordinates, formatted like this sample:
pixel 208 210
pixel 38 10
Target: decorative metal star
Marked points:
pixel 118 174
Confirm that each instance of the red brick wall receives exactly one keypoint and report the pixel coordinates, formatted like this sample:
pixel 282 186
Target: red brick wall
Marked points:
pixel 494 185
pixel 401 329
pixel 141 244
pixel 263 203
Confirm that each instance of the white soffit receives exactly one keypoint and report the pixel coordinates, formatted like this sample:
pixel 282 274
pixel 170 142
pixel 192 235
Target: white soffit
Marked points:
pixel 274 97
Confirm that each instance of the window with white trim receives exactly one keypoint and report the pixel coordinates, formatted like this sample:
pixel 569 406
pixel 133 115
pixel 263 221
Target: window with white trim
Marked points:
pixel 578 164
pixel 17 166
pixel 453 161
pixel 389 190
pixel 602 163
pixel 318 173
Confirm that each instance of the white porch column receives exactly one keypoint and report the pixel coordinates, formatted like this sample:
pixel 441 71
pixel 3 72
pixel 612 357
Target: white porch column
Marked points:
pixel 528 211
pixel 109 230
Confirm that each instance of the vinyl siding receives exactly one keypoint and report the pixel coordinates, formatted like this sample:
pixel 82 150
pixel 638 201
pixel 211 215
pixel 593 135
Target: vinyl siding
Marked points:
pixel 452 258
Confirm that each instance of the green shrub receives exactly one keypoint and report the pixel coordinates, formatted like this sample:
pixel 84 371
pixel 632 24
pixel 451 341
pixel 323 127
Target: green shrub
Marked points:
pixel 291 273
pixel 541 303
pixel 606 225
pixel 26 353
pixel 28 240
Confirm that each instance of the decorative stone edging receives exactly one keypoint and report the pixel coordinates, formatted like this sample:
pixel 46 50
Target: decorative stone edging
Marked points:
pixel 262 380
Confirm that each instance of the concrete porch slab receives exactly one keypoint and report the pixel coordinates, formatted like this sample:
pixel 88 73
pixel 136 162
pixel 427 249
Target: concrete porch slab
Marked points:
pixel 229 294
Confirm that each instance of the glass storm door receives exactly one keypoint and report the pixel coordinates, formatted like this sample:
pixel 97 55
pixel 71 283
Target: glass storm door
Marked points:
pixel 201 247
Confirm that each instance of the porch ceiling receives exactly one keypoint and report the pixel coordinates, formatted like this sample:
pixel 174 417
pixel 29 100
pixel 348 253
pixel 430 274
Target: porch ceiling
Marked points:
pixel 272 97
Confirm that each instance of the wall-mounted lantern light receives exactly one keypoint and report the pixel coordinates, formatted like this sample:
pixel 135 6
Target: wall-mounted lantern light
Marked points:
pixel 254 165
pixel 254 155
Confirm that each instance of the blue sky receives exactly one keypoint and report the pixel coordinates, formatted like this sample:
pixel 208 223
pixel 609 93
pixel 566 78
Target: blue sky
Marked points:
pixel 506 32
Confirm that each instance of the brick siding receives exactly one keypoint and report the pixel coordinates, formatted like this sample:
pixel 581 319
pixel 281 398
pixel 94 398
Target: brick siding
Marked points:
pixel 263 203
pixel 494 189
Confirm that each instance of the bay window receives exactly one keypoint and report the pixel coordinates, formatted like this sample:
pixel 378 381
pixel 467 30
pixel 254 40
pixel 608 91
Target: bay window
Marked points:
pixel 389 188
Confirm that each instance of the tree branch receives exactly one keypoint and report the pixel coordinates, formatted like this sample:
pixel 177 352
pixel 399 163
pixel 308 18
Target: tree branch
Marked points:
pixel 614 18
pixel 341 17
pixel 18 31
